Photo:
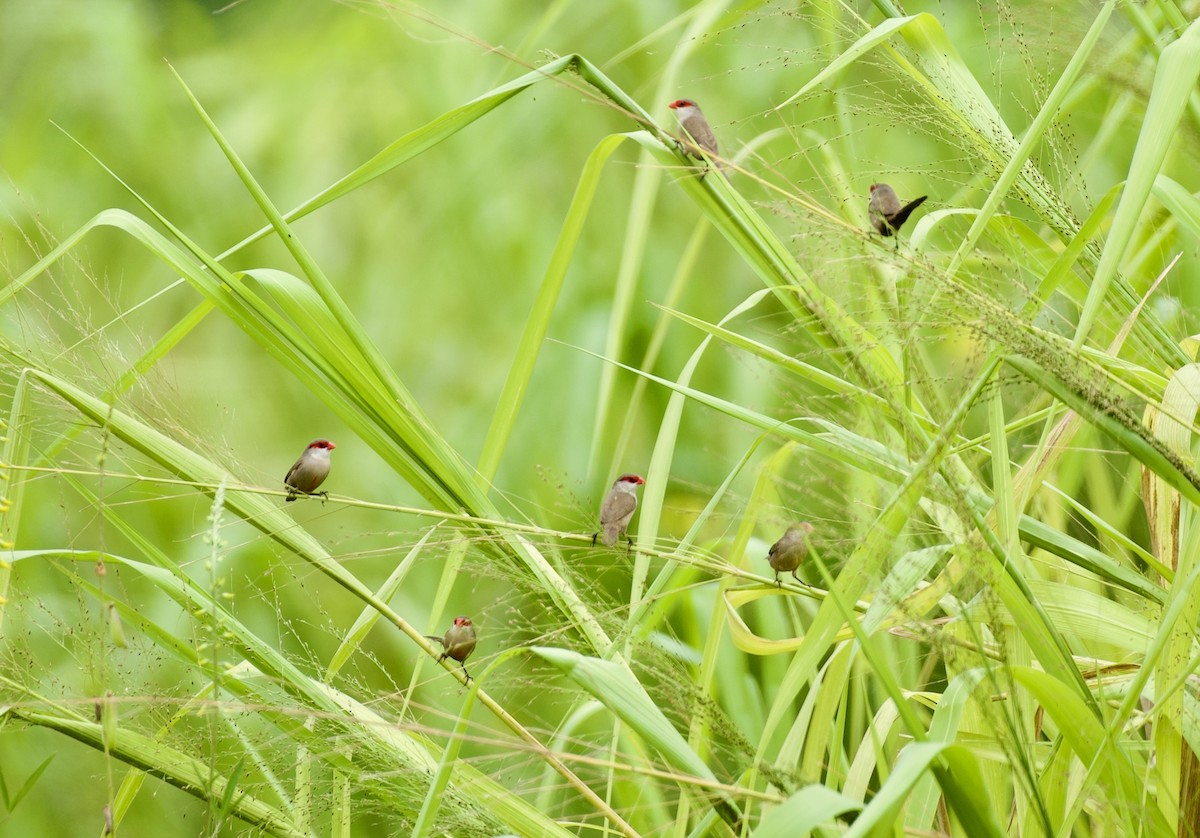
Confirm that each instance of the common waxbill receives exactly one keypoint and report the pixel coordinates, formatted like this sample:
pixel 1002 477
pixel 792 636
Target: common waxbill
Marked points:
pixel 458 643
pixel 617 510
pixel 885 211
pixel 787 553
pixel 310 471
pixel 692 120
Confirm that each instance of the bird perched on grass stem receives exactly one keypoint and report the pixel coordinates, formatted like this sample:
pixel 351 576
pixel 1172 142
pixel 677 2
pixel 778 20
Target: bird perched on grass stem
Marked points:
pixel 458 643
pixel 617 510
pixel 310 471
pixel 885 211
pixel 698 133
pixel 787 553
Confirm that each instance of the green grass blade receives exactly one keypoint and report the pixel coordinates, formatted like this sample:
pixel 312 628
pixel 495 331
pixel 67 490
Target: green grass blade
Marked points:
pixel 626 698
pixel 804 811
pixel 168 764
pixel 1149 452
pixel 538 322
pixel 1174 83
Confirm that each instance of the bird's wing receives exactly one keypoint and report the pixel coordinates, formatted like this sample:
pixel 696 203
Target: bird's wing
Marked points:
pixel 617 507
pixel 706 139
pixel 291 471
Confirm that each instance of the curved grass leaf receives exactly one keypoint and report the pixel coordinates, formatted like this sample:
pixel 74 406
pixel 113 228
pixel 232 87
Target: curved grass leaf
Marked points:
pixel 804 811
pixel 627 699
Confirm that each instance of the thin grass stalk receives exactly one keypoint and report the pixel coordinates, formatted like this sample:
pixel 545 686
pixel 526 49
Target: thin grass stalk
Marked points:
pixel 538 322
pixel 17 429
pixel 175 458
pixel 1174 84
pixel 860 566
pixel 174 767
pixel 1034 135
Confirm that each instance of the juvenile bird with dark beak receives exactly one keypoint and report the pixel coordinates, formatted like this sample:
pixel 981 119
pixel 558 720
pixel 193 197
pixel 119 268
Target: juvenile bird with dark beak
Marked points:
pixel 787 553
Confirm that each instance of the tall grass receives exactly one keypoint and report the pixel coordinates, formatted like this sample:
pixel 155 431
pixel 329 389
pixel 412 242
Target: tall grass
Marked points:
pixel 988 420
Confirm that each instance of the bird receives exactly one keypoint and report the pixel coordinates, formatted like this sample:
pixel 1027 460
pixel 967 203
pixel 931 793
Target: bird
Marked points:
pixel 310 471
pixel 458 643
pixel 617 510
pixel 885 211
pixel 787 553
pixel 695 126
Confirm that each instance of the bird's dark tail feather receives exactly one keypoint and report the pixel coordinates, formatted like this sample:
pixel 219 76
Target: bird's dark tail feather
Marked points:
pixel 905 211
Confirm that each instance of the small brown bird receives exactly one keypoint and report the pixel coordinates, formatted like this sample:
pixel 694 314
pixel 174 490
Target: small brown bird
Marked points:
pixel 885 211
pixel 310 471
pixel 695 126
pixel 787 553
pixel 617 510
pixel 458 643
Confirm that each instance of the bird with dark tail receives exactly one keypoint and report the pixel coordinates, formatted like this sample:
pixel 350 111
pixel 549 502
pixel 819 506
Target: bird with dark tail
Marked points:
pixel 885 212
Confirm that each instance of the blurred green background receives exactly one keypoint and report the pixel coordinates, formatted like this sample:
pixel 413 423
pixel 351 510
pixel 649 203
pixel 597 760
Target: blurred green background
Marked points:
pixel 441 260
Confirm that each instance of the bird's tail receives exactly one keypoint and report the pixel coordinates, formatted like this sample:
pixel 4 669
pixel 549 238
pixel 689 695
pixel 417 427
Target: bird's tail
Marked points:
pixel 899 218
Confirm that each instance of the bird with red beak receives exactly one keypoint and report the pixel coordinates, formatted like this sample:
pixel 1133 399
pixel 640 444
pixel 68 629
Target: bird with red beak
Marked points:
pixel 885 211
pixel 458 643
pixel 787 553
pixel 617 510
pixel 699 133
pixel 310 471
